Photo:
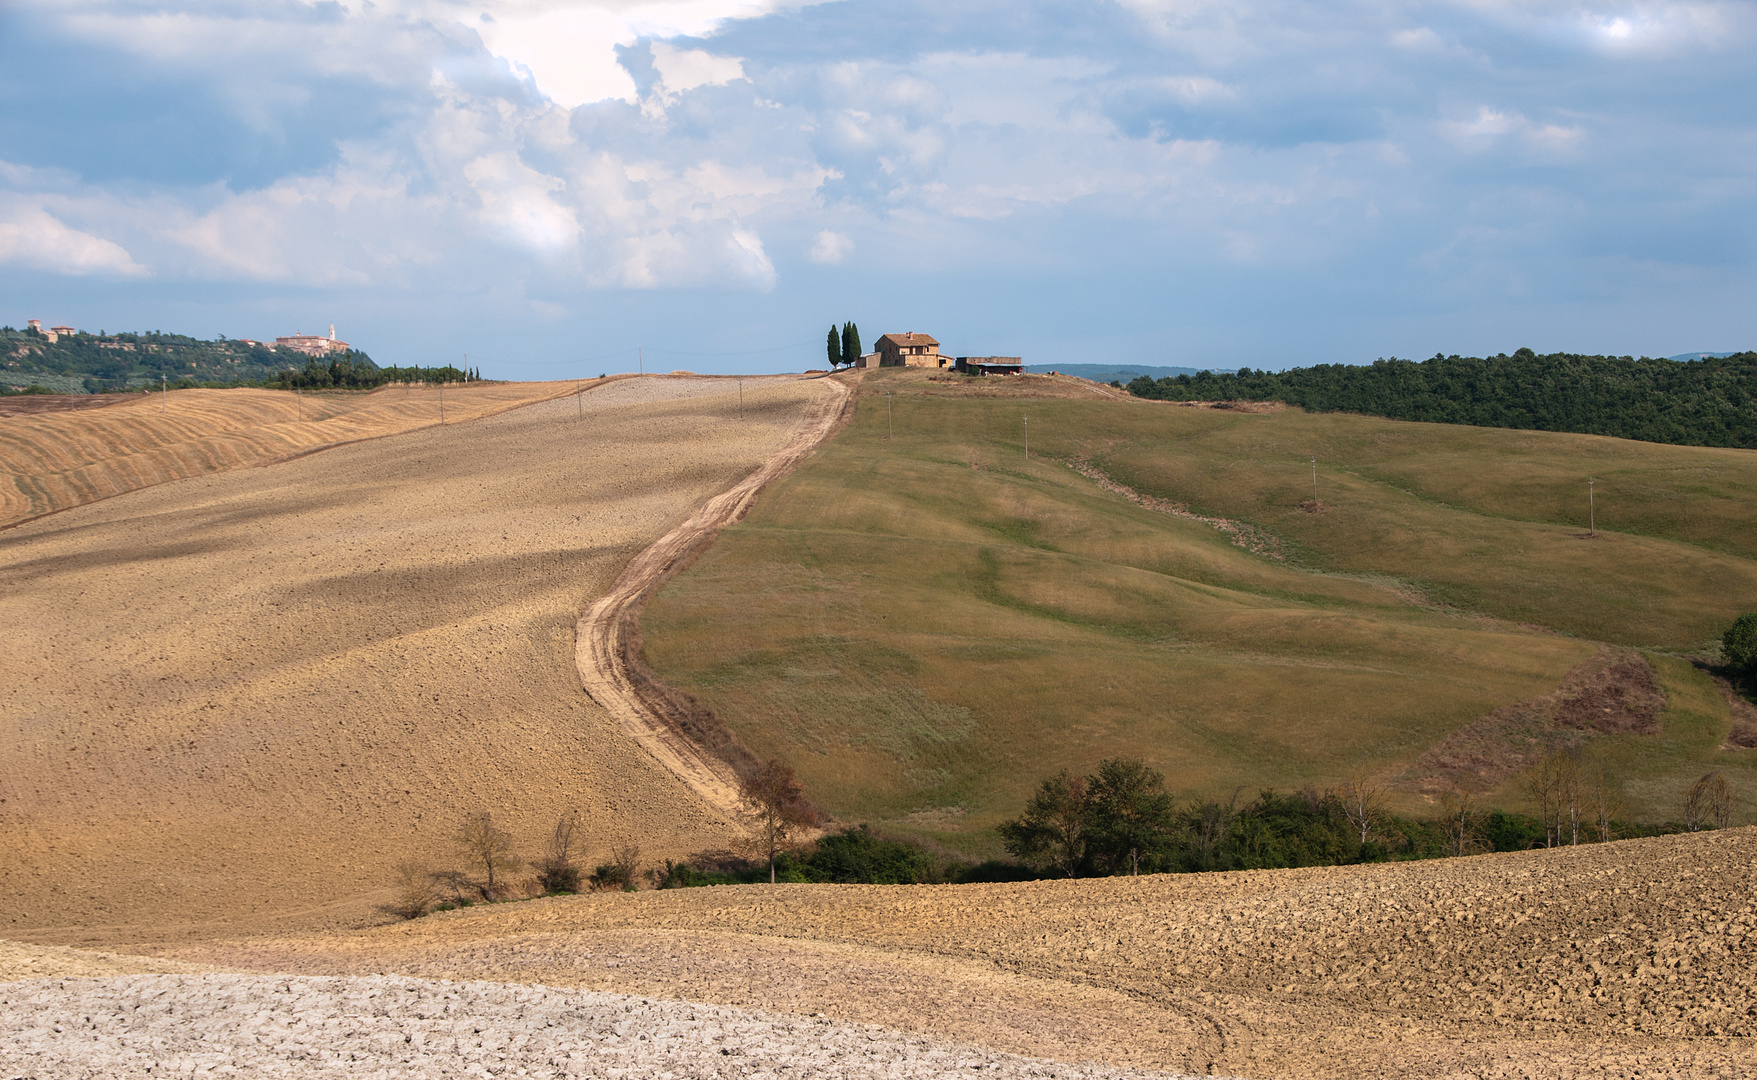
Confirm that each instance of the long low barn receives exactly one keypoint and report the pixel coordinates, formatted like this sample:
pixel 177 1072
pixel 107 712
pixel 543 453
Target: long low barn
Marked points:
pixel 989 365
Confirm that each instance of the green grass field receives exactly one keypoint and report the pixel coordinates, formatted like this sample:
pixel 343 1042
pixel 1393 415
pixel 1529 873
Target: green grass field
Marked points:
pixel 926 625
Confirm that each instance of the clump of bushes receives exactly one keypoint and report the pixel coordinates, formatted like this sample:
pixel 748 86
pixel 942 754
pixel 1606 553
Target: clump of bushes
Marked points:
pixel 1738 650
pixel 489 870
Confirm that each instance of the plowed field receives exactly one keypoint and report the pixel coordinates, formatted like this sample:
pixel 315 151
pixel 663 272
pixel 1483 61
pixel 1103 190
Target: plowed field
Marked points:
pixel 53 460
pixel 1632 959
pixel 247 695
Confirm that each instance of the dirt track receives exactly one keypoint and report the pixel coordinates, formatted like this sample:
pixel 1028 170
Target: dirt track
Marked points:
pixel 245 696
pixel 605 631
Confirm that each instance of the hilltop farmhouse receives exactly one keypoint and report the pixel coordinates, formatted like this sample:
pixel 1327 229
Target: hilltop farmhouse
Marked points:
pixel 922 350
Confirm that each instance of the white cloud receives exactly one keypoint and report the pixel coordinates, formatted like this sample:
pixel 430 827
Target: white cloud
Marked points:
pixel 686 69
pixel 32 237
pixel 569 49
pixel 1489 125
pixel 830 248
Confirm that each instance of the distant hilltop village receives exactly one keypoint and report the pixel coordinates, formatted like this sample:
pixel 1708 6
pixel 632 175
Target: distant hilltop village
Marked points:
pixel 309 344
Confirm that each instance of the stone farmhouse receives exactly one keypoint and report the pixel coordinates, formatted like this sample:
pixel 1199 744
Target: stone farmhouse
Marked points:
pixel 921 350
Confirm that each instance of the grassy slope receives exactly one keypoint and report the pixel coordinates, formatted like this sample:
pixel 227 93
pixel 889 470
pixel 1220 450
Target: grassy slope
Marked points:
pixel 926 625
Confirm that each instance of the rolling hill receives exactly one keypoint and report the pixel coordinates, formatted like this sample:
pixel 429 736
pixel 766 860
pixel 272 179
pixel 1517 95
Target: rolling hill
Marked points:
pixel 925 625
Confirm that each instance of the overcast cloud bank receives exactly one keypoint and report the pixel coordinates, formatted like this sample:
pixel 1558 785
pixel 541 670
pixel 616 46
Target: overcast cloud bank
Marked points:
pixel 548 185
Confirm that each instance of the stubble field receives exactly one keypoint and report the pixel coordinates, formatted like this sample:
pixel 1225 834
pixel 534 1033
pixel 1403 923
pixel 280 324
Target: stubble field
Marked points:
pixel 245 696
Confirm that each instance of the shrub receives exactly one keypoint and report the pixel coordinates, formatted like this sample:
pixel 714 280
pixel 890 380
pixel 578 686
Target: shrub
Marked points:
pixel 416 891
pixel 1738 647
pixel 556 871
pixel 858 856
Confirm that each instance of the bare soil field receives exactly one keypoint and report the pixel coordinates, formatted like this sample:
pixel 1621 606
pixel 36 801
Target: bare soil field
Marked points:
pixel 384 1027
pixel 1632 959
pixel 243 697
pixel 73 451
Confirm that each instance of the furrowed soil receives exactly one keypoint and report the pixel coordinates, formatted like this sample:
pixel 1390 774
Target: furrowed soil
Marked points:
pixel 75 449
pixel 246 695
pixel 1630 959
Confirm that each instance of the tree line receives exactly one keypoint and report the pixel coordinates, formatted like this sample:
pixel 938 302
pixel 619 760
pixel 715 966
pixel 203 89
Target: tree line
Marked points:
pixel 1708 402
pixel 356 371
pixel 1121 820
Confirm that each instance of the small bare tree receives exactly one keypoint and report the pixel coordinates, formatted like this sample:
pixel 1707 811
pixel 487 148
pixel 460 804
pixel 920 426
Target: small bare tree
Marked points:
pixel 416 891
pixel 627 860
pixel 556 870
pixel 485 845
pixel 1363 803
pixel 776 807
pixel 456 881
pixel 1605 801
pixel 1553 784
pixel 1708 803
pixel 1461 820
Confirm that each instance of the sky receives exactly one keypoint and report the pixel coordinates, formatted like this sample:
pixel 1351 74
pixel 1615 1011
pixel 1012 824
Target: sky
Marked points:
pixel 555 189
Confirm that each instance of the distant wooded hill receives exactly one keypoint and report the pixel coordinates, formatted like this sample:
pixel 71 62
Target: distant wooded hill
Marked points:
pixel 109 363
pixel 1706 402
pixel 92 363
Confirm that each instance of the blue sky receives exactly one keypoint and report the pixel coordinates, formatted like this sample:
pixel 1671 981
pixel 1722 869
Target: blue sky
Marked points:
pixel 547 187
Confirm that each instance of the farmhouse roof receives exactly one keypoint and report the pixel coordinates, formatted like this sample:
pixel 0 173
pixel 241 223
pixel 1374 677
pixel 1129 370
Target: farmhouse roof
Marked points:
pixel 909 339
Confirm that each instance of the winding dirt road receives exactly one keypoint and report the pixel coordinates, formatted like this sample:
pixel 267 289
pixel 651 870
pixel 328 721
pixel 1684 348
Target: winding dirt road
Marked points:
pixel 608 635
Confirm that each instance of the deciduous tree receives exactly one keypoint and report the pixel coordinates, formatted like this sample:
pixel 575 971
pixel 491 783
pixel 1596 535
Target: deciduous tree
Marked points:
pixel 1738 647
pixel 1363 803
pixel 1052 830
pixel 485 845
pixel 1129 814
pixel 1708 803
pixel 776 807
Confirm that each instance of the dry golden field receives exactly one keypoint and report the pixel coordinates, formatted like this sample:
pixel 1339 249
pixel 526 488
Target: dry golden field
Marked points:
pixel 245 695
pixel 54 460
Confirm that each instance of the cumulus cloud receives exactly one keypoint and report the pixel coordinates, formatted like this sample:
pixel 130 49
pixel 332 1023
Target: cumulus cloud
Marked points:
pixel 830 247
pixel 32 237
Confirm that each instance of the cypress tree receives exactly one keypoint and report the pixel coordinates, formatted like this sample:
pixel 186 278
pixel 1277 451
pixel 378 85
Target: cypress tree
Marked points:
pixel 850 343
pixel 835 346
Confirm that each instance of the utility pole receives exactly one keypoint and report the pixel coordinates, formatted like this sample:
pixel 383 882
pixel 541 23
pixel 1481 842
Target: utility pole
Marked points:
pixel 741 397
pixel 164 395
pixel 640 360
pixel 579 399
pixel 300 399
pixel 442 401
pixel 1591 510
pixel 1314 479
pixel 1027 421
pixel 890 431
